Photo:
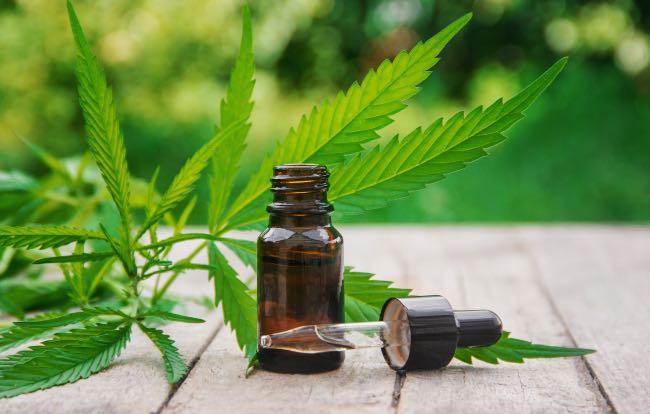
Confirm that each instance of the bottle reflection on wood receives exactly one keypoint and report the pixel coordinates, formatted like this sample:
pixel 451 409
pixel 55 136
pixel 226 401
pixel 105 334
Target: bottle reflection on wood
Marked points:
pixel 300 266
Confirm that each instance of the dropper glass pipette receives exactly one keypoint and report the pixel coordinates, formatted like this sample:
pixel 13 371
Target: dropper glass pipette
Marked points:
pixel 340 337
pixel 414 333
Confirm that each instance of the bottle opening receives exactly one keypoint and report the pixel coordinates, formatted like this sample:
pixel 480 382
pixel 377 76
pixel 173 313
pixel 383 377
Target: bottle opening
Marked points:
pixel 299 177
pixel 299 189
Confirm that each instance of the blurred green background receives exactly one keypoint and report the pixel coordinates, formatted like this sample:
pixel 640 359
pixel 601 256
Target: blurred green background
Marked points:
pixel 582 154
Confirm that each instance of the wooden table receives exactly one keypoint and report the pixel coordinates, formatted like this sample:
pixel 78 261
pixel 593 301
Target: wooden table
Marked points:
pixel 564 285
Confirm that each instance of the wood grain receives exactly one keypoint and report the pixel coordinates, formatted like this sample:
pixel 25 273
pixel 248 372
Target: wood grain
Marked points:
pixel 485 269
pixel 599 281
pixel 564 285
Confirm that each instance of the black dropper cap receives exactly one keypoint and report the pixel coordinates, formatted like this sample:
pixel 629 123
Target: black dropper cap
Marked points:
pixel 436 330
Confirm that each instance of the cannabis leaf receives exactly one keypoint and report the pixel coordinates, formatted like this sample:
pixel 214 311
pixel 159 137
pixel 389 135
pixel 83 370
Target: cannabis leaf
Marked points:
pixel 9 307
pixel 45 237
pixel 175 317
pixel 244 249
pixel 104 134
pixel 66 358
pixel 371 179
pixel 175 366
pixel 76 258
pixel 515 350
pixel 235 107
pixel 239 308
pixel 55 164
pixel 16 181
pixel 340 127
pixel 365 296
pixel 27 295
pixel 26 331
pixel 184 181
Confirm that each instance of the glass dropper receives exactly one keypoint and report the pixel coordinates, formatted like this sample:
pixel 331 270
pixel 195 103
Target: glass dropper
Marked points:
pixel 414 333
pixel 311 339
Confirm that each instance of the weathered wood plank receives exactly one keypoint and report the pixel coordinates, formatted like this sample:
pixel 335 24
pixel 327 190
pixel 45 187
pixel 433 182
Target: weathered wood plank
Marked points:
pixel 486 268
pixel 135 382
pixel 599 279
pixel 557 285
pixel 363 385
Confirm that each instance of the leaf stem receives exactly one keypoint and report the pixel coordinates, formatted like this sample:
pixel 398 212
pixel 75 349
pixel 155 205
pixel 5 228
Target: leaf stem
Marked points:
pixel 158 295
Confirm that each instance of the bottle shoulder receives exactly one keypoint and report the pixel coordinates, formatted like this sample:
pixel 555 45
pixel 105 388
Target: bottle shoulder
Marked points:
pixel 317 234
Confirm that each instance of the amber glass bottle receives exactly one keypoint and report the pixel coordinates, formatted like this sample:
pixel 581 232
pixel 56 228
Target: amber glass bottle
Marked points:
pixel 300 266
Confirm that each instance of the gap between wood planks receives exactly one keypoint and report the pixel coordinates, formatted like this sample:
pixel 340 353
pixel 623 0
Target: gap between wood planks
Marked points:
pixel 537 276
pixel 190 367
pixel 400 378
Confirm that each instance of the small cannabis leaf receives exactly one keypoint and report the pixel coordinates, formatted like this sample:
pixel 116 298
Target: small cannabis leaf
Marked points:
pixel 338 128
pixel 370 180
pixel 66 358
pixel 28 295
pixel 184 182
pixel 55 164
pixel 76 258
pixel 235 107
pixel 104 134
pixel 10 308
pixel 173 317
pixel 239 308
pixel 45 237
pixel 25 331
pixel 365 296
pixel 516 350
pixel 175 366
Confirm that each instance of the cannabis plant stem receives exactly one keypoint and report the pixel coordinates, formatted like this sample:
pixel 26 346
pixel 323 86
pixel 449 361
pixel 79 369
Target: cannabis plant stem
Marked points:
pixel 157 296
pixel 99 276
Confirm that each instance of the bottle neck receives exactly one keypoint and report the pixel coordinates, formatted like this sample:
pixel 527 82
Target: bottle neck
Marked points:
pixel 299 220
pixel 300 191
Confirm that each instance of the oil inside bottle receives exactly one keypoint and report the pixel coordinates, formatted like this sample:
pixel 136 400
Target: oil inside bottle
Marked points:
pixel 300 267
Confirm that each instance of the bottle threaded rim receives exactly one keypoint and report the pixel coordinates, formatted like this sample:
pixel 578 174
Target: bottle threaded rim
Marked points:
pixel 300 189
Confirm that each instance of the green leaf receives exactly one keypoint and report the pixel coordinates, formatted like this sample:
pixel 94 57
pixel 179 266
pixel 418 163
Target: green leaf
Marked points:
pixel 44 237
pixel 29 295
pixel 152 194
pixel 244 249
pixel 55 164
pixel 122 249
pixel 102 125
pixel 516 350
pixel 106 311
pixel 25 331
pixel 365 296
pixel 10 308
pixel 76 258
pixel 169 316
pixel 253 364
pixel 338 128
pixel 16 181
pixel 175 366
pixel 239 308
pixel 185 215
pixel 184 181
pixel 236 106
pixel 66 358
pixel 179 238
pixel 371 179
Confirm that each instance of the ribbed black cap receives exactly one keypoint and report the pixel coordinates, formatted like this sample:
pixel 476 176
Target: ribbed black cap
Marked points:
pixel 436 331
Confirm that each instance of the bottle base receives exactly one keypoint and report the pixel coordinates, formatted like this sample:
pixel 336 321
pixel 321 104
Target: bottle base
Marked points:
pixel 298 363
